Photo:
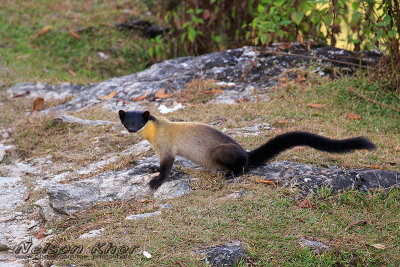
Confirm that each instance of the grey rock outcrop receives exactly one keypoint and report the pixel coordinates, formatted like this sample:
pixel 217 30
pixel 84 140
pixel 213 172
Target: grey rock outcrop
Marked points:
pixel 290 174
pixel 75 120
pixel 244 71
pixel 111 186
pixel 47 91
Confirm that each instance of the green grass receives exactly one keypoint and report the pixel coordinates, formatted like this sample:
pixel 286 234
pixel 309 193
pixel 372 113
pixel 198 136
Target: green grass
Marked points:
pixel 57 56
pixel 268 222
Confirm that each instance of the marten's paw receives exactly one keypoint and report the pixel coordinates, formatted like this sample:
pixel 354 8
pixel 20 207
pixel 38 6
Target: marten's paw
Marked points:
pixel 155 183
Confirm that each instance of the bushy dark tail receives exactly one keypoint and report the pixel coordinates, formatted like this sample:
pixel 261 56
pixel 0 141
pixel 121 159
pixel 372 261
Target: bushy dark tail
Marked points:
pixel 285 141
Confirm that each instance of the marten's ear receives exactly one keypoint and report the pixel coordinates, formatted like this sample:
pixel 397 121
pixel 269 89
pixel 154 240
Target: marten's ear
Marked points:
pixel 146 115
pixel 122 115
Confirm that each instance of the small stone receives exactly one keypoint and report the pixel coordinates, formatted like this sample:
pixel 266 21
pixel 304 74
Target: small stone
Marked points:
pixel 238 194
pixel 315 246
pixel 147 254
pixel 92 234
pixel 46 210
pixel 2 155
pixel 228 254
pixel 172 189
pixel 165 206
pixel 143 215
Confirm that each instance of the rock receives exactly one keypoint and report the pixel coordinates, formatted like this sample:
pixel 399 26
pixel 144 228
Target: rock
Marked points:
pixel 143 215
pixel 108 186
pixel 72 119
pixel 254 130
pixel 242 72
pixel 111 186
pixel 165 206
pixel 46 211
pixel 44 90
pixel 235 195
pixel 136 149
pixel 172 189
pixel 2 155
pixel 315 246
pixel 290 174
pixel 92 234
pixel 228 254
pixel 11 193
pixel 6 148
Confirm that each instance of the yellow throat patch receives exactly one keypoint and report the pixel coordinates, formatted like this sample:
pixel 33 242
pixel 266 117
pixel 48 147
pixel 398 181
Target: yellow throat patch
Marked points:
pixel 148 132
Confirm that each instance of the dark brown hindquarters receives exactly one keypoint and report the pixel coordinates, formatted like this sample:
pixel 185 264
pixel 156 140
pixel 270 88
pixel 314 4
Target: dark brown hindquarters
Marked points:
pixel 231 157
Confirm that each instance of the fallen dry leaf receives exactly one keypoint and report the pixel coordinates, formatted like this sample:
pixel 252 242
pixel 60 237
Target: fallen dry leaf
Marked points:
pixel 40 234
pixel 24 56
pixel 353 116
pixel 376 167
pixel 285 45
pixel 43 31
pixel 75 35
pixel 215 91
pixel 242 100
pixel 306 204
pixel 141 97
pixel 378 246
pixel 72 72
pixel 312 105
pixel 283 122
pixel 27 92
pixel 359 222
pixel 109 96
pixel 162 94
pixel 144 200
pixel 38 104
pixel 26 196
pixel 300 78
pixel 265 181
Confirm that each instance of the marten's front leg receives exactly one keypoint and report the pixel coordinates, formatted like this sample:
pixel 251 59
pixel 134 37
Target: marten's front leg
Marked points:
pixel 166 163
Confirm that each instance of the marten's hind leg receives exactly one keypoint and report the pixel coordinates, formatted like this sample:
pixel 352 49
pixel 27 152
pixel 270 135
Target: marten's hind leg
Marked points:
pixel 230 157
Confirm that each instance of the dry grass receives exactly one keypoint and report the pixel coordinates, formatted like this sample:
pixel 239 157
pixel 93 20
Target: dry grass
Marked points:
pixel 198 91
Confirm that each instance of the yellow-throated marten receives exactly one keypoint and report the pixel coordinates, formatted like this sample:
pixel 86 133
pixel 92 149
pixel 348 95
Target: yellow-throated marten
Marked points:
pixel 213 149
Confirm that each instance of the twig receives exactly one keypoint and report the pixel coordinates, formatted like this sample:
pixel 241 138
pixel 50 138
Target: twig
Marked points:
pixel 359 222
pixel 373 101
pixel 317 58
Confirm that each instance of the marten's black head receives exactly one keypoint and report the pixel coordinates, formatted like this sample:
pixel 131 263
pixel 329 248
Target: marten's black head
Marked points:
pixel 134 120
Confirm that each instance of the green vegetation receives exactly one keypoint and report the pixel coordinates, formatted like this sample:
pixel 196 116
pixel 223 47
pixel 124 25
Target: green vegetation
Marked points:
pixel 68 41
